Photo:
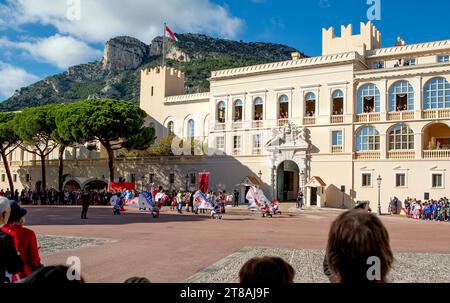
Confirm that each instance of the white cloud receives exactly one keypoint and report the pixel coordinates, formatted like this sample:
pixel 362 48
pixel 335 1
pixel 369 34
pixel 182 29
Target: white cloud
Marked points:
pixel 12 78
pixel 101 20
pixel 58 50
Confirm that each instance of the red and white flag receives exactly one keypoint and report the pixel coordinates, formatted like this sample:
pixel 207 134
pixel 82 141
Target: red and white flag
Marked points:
pixel 171 34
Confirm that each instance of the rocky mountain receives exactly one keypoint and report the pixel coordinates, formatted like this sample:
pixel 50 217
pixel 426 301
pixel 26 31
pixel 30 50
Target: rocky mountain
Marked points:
pixel 117 74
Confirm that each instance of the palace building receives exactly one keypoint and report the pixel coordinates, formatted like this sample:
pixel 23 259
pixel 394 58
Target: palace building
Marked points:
pixel 345 126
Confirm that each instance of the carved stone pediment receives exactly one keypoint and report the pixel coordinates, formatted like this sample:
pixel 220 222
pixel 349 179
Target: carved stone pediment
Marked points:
pixel 288 137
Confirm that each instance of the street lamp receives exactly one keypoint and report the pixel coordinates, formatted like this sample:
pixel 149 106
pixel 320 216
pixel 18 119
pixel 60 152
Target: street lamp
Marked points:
pixel 302 179
pixel 379 194
pixel 260 176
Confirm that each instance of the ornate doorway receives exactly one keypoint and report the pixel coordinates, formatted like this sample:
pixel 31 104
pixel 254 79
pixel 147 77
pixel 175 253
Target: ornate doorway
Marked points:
pixel 288 184
pixel 288 155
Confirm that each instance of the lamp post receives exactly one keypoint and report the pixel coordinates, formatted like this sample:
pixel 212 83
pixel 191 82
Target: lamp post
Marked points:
pixel 302 179
pixel 273 182
pixel 260 176
pixel 379 194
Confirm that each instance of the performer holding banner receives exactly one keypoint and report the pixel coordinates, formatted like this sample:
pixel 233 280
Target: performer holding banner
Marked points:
pixel 203 184
pixel 257 201
pixel 201 201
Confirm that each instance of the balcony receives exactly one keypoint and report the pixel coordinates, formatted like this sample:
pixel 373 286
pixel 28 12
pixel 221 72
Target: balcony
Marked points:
pixel 257 151
pixel 369 117
pixel 257 124
pixel 402 115
pixel 219 126
pixel 401 154
pixel 436 154
pixel 337 119
pixel 309 120
pixel 237 125
pixel 283 122
pixel 368 155
pixel 337 149
pixel 236 151
pixel 436 113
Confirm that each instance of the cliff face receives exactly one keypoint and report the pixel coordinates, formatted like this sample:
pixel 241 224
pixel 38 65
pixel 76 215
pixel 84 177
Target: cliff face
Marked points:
pixel 117 74
pixel 124 53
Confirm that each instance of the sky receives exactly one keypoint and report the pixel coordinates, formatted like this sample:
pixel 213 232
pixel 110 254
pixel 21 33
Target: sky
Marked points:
pixel 39 38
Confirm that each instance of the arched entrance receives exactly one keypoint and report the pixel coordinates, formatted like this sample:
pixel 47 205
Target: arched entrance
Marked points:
pixel 72 185
pixel 288 180
pixel 95 185
pixel 436 136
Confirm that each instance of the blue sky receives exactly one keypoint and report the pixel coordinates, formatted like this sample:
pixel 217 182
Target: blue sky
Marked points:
pixel 43 37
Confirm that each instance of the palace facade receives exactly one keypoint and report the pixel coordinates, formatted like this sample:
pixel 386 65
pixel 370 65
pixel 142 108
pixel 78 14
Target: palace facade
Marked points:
pixel 345 126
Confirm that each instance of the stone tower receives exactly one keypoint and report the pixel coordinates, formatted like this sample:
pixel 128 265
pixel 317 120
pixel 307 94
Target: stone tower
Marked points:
pixel 157 84
pixel 368 39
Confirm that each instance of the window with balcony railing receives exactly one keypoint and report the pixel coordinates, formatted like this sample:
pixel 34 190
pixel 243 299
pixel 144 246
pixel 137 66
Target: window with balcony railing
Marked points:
pixel 401 97
pixel 367 144
pixel 337 107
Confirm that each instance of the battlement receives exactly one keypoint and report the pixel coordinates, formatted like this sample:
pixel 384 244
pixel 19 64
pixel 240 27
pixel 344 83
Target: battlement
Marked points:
pixel 163 70
pixel 369 38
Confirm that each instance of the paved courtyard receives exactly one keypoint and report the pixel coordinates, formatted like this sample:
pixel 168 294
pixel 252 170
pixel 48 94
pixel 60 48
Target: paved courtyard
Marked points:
pixel 177 248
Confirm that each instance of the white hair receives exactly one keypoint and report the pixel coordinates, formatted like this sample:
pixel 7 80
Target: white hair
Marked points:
pixel 5 207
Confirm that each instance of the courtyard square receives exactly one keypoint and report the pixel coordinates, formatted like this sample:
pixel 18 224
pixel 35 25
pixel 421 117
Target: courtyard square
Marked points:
pixel 195 248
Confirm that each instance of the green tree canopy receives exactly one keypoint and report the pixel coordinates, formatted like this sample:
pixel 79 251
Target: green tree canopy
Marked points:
pixel 36 127
pixel 9 141
pixel 115 124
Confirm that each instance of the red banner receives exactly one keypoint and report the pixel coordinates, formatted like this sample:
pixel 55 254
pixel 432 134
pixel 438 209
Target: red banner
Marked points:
pixel 203 184
pixel 121 186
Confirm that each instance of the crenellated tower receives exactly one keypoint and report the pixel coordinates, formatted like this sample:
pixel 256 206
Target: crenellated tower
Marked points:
pixel 157 84
pixel 369 38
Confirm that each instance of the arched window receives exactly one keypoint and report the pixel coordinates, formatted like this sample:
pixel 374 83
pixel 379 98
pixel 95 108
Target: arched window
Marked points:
pixel 401 137
pixel 338 102
pixel 221 107
pixel 191 129
pixel 368 99
pixel 258 109
pixel 437 94
pixel 401 96
pixel 284 107
pixel 367 139
pixel 238 110
pixel 171 128
pixel 310 104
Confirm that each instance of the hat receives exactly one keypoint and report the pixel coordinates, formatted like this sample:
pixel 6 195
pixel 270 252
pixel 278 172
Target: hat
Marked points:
pixel 17 212
pixel 360 204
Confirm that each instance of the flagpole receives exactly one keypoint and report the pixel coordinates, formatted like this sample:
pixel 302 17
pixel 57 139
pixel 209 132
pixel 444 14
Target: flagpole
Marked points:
pixel 164 46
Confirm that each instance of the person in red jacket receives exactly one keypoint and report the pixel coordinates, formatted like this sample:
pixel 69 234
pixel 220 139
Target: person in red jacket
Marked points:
pixel 24 240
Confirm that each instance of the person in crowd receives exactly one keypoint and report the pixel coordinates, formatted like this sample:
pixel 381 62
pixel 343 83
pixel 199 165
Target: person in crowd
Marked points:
pixel 266 271
pixel 24 239
pixel 139 280
pixel 54 275
pixel 355 237
pixel 236 198
pixel 191 201
pixel 363 205
pixel 300 199
pixel 10 261
pixel 16 195
pixel 86 199
pixel 179 202
pixel 432 210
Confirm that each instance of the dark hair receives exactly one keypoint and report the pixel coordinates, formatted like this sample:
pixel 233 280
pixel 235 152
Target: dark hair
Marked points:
pixel 266 270
pixel 51 275
pixel 354 237
pixel 137 280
